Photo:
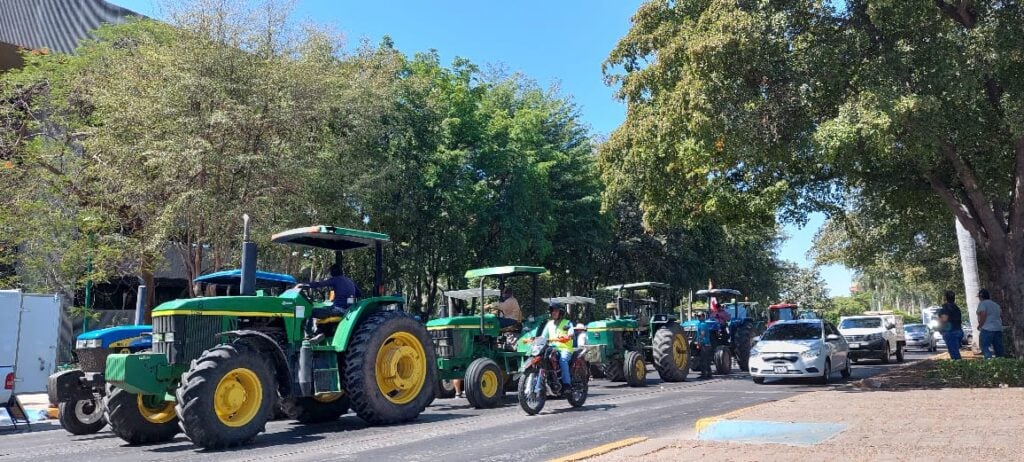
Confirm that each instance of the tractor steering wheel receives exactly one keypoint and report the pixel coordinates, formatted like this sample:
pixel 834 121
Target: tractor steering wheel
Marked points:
pixel 306 292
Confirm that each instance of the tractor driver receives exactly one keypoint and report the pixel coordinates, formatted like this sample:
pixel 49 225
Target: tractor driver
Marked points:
pixel 345 291
pixel 511 314
pixel 559 335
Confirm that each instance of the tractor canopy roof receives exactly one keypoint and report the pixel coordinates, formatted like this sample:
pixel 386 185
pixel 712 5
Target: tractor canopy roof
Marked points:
pixel 505 271
pixel 782 306
pixel 235 276
pixel 570 300
pixel 329 237
pixel 640 286
pixel 470 294
pixel 718 293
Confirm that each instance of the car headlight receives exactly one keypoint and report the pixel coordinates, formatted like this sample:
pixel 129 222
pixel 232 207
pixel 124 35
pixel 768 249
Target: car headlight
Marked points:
pixel 754 350
pixel 810 354
pixel 875 336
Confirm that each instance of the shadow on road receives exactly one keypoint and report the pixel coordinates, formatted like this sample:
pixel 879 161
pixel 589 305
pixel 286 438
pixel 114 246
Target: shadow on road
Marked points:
pixel 583 408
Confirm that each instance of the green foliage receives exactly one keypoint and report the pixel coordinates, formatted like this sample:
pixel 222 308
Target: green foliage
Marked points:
pixel 990 373
pixel 851 305
pixel 805 287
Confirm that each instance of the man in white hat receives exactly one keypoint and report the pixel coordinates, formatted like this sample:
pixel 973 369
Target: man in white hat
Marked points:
pixel 580 335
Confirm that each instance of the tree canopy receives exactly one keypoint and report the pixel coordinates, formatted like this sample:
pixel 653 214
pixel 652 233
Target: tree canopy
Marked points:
pixel 896 108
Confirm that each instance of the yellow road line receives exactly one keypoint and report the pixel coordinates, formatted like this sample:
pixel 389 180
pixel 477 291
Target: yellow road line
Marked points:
pixel 603 449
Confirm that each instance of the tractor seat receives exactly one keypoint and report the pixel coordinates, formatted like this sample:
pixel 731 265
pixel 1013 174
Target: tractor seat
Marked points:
pixel 330 320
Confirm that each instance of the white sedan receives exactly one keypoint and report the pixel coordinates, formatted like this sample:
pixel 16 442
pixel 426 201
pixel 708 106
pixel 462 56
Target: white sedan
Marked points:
pixel 810 348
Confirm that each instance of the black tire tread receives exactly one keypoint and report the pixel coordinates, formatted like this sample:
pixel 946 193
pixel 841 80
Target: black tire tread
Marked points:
pixel 122 413
pixel 661 353
pixel 69 420
pixel 474 394
pixel 359 386
pixel 631 377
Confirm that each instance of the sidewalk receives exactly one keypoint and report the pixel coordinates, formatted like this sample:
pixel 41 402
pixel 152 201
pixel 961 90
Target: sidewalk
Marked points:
pixel 947 424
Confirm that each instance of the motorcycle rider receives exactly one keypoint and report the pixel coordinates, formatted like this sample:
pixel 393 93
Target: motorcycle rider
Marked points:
pixel 558 332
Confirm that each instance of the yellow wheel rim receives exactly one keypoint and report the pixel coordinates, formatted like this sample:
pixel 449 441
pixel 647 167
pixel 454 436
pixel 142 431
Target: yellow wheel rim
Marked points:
pixel 679 351
pixel 640 367
pixel 328 397
pixel 401 367
pixel 489 383
pixel 238 397
pixel 160 413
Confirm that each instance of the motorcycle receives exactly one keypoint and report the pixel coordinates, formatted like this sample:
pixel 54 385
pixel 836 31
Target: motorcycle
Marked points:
pixel 541 377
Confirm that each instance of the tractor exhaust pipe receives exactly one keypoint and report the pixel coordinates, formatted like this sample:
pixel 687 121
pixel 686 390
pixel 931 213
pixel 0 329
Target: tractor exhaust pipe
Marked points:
pixel 248 285
pixel 306 369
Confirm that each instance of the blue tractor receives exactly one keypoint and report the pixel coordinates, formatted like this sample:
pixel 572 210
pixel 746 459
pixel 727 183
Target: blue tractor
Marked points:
pixel 79 392
pixel 732 333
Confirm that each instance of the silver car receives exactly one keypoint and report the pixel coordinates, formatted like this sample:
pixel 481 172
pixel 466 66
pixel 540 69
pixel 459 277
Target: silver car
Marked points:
pixel 919 336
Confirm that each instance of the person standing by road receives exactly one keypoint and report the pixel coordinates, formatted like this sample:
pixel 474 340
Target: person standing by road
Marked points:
pixel 704 343
pixel 990 325
pixel 952 326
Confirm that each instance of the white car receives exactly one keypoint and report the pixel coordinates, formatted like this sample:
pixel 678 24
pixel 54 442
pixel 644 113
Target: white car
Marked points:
pixel 803 348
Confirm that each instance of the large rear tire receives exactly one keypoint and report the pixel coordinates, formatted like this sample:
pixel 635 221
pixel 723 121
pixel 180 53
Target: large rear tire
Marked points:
pixel 723 360
pixel 530 400
pixel 316 409
pixel 485 386
pixel 670 353
pixel 389 368
pixel 82 417
pixel 636 369
pixel 227 396
pixel 613 370
pixel 139 419
pixel 742 341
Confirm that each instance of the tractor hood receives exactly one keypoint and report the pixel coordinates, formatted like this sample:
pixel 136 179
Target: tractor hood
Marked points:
pixel 612 324
pixel 490 321
pixel 113 334
pixel 254 306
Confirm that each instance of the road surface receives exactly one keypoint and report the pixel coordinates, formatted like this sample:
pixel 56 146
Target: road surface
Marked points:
pixel 451 430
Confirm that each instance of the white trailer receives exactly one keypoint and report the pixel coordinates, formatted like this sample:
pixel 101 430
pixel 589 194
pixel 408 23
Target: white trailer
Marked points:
pixel 28 341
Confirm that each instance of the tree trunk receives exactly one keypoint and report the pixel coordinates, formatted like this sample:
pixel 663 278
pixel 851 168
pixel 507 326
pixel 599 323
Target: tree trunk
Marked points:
pixel 1012 302
pixel 969 264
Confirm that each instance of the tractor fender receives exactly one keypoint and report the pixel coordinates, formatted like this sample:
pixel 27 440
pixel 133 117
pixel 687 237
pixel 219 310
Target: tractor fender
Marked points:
pixel 267 344
pixel 357 314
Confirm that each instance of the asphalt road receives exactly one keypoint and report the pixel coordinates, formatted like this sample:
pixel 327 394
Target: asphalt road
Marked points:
pixel 451 430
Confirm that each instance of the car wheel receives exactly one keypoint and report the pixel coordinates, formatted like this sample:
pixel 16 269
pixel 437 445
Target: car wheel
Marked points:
pixel 846 372
pixel 759 380
pixel 885 354
pixel 823 380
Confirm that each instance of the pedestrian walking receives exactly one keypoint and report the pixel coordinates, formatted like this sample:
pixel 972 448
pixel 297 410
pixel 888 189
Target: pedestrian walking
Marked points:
pixel 990 325
pixel 952 326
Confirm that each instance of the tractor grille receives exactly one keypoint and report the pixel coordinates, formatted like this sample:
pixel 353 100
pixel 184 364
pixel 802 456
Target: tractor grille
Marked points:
pixel 789 357
pixel 444 343
pixel 193 334
pixel 92 359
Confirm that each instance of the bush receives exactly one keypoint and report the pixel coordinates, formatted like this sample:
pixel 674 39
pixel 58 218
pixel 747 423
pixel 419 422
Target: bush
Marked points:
pixel 990 373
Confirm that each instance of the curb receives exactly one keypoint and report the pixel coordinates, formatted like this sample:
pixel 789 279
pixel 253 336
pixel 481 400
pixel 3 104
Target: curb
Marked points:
pixel 706 422
pixel 600 450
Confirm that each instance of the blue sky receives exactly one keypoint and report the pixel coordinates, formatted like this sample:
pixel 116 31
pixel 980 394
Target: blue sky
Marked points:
pixel 553 42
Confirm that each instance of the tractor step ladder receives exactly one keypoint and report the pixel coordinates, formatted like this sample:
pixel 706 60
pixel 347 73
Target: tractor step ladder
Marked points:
pixel 17 412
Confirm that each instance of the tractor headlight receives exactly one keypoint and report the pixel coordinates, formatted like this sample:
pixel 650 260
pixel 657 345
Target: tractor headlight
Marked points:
pixel 157 337
pixel 81 344
pixel 91 343
pixel 169 337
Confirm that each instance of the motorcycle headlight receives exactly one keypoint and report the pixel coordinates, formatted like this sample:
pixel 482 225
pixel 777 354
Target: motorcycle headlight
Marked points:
pixel 810 354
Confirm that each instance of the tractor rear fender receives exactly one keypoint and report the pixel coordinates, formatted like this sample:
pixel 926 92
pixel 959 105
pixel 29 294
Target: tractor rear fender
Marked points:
pixel 266 344
pixel 355 316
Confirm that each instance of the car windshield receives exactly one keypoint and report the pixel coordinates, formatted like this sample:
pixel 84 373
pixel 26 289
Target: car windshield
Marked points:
pixel 797 331
pixel 915 329
pixel 860 323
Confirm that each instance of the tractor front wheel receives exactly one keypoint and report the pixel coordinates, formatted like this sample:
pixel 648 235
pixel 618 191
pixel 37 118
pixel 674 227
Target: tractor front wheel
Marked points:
pixel 82 417
pixel 226 398
pixel 723 360
pixel 389 368
pixel 484 384
pixel 636 369
pixel 326 407
pixel 140 419
pixel 445 389
pixel 670 354
pixel 596 371
pixel 613 370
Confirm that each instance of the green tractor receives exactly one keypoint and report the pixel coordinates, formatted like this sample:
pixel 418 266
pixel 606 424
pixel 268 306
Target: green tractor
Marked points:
pixel 219 365
pixel 475 349
pixel 642 331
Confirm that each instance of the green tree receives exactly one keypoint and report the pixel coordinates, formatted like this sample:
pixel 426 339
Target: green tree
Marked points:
pixel 910 105
pixel 804 286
